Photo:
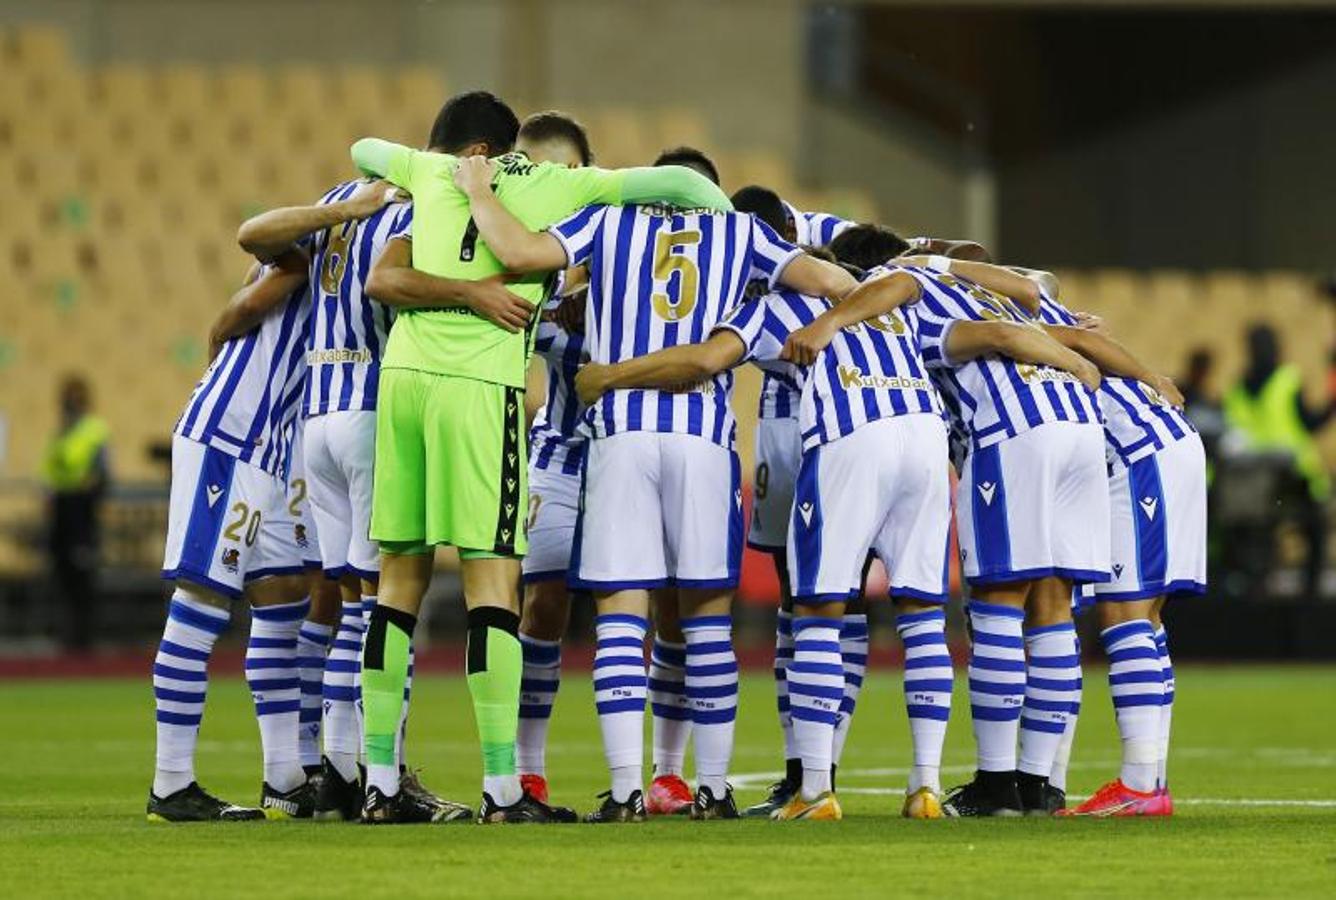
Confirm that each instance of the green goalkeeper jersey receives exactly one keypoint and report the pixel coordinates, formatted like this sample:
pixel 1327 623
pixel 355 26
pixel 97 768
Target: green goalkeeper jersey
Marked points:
pixel 446 243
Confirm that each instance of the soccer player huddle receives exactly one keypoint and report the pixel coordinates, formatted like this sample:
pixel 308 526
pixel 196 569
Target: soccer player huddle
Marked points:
pixel 365 403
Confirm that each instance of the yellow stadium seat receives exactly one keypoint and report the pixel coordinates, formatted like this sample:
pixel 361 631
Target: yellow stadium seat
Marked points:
pixel 419 88
pixel 183 88
pixel 40 48
pixel 243 89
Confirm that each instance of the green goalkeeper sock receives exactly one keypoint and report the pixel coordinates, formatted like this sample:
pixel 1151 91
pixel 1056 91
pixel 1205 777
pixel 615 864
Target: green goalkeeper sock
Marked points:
pixel 389 638
pixel 495 664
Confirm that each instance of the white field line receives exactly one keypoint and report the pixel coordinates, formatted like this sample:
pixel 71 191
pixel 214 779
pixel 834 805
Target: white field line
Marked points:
pixel 760 779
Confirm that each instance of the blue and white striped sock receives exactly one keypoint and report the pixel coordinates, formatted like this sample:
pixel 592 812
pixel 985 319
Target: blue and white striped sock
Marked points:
pixel 312 645
pixel 619 697
pixel 271 673
pixel 1167 710
pixel 853 656
pixel 668 705
pixel 928 682
pixel 343 731
pixel 180 680
pixel 1057 776
pixel 816 689
pixel 783 657
pixel 1052 687
pixel 997 682
pixel 712 694
pixel 538 691
pixel 1136 684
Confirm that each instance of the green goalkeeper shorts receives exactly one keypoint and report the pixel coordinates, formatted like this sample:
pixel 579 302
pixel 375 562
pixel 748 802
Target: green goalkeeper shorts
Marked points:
pixel 451 464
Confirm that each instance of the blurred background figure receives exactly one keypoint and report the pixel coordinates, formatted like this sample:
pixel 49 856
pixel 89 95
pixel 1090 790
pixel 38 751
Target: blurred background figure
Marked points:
pixel 1201 397
pixel 75 472
pixel 1267 410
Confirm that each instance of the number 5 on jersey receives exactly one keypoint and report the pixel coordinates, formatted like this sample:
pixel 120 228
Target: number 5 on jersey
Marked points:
pixel 666 262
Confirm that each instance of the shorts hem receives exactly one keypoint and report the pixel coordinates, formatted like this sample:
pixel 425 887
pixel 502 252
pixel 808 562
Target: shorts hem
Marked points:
pixel 272 571
pixel 705 583
pixel 908 593
pixel 336 572
pixel 364 574
pixel 1079 576
pixel 1183 588
pixel 546 575
pixel 816 599
pixel 203 581
pixel 596 584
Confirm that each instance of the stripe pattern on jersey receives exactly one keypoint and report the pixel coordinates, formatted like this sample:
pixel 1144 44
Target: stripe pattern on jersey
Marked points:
pixel 1137 420
pixel 349 329
pixel 815 229
pixel 555 441
pixel 246 402
pixel 997 397
pixel 872 370
pixel 661 278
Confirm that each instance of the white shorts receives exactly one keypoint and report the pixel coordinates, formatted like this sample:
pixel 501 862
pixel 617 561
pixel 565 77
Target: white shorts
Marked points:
pixel 554 505
pixel 1159 524
pixel 1036 505
pixel 779 450
pixel 659 509
pixel 886 488
pixel 304 530
pixel 227 523
pixel 340 456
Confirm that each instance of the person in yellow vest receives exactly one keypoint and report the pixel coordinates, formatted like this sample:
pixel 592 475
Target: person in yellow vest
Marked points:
pixel 74 469
pixel 1267 407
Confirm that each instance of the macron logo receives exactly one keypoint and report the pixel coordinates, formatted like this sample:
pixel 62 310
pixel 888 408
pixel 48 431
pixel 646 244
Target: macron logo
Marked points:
pixel 214 492
pixel 805 510
pixel 1117 570
pixel 1148 506
pixel 986 490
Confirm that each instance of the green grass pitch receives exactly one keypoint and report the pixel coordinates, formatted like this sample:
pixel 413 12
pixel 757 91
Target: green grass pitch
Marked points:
pixel 1254 772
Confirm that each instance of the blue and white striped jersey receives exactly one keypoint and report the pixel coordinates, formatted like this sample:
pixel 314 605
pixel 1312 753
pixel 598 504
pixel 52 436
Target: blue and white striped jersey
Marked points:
pixel 247 400
pixel 815 229
pixel 662 277
pixel 555 441
pixel 349 329
pixel 871 370
pixel 998 398
pixel 1137 420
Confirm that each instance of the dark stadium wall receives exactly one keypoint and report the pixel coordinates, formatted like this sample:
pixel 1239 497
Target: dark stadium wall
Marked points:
pixel 1227 182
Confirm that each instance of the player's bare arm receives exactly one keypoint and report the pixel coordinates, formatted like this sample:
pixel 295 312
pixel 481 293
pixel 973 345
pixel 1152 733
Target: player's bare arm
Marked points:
pixel 1019 287
pixel 867 301
pixel 971 250
pixel 1023 343
pixel 270 233
pixel 817 278
pixel 687 364
pixel 256 298
pixel 394 282
pixel 1114 359
pixel 516 247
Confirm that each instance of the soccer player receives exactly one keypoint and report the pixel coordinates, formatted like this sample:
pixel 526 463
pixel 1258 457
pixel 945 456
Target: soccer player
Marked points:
pixel 450 459
pixel 661 276
pixel 342 234
pixel 863 387
pixel 230 535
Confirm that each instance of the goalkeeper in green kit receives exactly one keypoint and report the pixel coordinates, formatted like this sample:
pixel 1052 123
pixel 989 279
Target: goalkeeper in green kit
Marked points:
pixel 451 451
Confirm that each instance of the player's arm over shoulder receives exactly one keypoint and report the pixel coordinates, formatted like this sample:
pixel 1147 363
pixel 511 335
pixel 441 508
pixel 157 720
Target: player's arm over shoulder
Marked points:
pixel 395 163
pixel 263 290
pixel 665 368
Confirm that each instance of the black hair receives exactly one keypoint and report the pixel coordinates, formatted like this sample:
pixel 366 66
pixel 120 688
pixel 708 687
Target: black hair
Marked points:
pixel 557 126
pixel 764 204
pixel 471 118
pixel 867 246
pixel 691 157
